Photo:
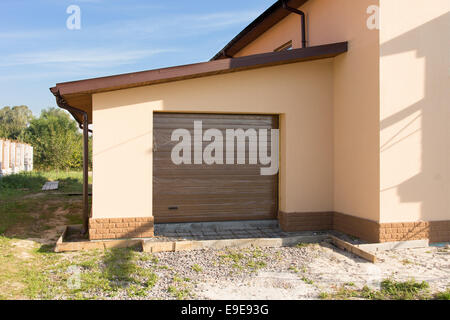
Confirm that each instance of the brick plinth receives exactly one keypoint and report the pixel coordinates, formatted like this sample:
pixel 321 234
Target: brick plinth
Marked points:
pixel 368 230
pixel 365 229
pixel 316 221
pixel 120 228
pixel 436 231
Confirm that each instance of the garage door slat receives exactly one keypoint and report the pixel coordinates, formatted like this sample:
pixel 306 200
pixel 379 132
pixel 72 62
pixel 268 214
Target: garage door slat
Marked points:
pixel 209 192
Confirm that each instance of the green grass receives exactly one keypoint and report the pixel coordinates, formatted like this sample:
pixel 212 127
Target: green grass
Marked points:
pixel 180 287
pixel 307 281
pixel 197 268
pixel 445 295
pixel 233 256
pixel 14 212
pixel 151 280
pixel 389 290
pixel 26 211
pixel 22 202
pixel 25 181
pixel 294 269
pixel 74 218
pixel 49 275
pixel 251 259
pixel 324 295
pixel 30 182
pixel 350 284
pixel 179 293
pixel 403 290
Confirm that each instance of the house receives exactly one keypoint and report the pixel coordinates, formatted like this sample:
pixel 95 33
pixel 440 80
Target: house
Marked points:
pixel 357 89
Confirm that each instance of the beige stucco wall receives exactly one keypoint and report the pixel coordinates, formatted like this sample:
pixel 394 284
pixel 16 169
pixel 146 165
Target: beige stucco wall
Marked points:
pixel 355 94
pixel 301 93
pixel 356 101
pixel 415 110
pixel 284 31
pixel 122 163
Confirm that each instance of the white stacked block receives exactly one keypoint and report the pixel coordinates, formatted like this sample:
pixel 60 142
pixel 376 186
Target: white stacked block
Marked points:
pixel 19 157
pixel 15 157
pixel 28 159
pixel 22 157
pixel 6 157
pixel 31 158
pixel 1 157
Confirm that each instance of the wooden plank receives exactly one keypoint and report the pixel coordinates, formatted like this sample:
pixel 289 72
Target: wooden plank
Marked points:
pixel 60 240
pixel 353 249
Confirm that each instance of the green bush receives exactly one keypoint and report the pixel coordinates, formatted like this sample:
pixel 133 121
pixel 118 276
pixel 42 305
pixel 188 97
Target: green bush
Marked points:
pixel 23 180
pixel 56 140
pixel 54 135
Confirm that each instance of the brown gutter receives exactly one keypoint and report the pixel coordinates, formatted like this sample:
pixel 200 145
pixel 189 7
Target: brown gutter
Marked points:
pixel 85 126
pixel 136 79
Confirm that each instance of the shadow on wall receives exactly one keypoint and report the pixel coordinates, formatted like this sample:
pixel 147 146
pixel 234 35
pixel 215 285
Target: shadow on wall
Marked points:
pixel 429 118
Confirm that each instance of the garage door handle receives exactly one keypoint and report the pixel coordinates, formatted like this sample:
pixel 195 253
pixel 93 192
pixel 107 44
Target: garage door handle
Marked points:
pixel 173 208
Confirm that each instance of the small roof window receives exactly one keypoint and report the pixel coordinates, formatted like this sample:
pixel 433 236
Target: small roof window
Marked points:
pixel 284 47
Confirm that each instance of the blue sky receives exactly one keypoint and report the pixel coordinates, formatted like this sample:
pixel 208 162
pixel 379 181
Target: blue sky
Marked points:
pixel 116 36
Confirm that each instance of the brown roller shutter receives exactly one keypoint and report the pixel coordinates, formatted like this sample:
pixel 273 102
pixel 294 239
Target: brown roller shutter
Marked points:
pixel 183 193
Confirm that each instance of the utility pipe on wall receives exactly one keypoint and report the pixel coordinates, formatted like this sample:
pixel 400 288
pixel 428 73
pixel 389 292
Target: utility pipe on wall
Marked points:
pixel 303 17
pixel 64 105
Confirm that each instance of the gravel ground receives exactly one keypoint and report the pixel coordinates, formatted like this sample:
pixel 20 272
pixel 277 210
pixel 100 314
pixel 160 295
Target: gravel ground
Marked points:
pixel 290 272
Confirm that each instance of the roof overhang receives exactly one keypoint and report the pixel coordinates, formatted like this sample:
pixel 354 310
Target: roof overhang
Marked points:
pixel 78 94
pixel 264 22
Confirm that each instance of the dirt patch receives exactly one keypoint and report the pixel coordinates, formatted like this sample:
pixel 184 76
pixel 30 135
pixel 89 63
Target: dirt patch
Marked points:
pixel 23 248
pixel 34 195
pixel 46 219
pixel 263 286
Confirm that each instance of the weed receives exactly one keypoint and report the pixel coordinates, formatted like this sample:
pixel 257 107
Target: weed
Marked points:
pixel 390 290
pixel 324 295
pixel 294 269
pixel 349 284
pixel 307 281
pixel 179 293
pixel 445 295
pixel 197 268
pixel 403 290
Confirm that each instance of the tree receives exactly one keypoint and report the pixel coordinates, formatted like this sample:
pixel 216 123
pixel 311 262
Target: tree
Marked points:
pixel 14 121
pixel 56 139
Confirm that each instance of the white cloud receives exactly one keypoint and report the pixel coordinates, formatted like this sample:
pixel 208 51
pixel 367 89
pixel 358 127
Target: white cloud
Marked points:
pixel 23 34
pixel 175 26
pixel 172 25
pixel 108 57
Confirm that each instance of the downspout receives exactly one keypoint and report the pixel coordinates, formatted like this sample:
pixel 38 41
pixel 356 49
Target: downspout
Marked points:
pixel 303 17
pixel 81 127
pixel 226 55
pixel 64 105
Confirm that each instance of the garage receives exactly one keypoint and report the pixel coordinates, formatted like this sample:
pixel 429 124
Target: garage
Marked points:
pixel 210 192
